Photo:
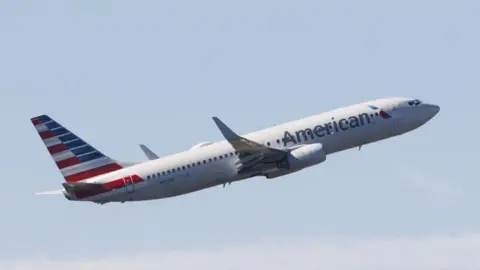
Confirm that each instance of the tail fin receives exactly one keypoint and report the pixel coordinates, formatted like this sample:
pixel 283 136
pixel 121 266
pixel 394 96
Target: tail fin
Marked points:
pixel 76 159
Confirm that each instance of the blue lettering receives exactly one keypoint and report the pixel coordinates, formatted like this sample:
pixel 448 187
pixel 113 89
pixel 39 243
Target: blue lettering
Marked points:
pixel 287 137
pixel 343 123
pixel 304 133
pixel 327 128
pixel 362 116
pixel 319 131
pixel 354 123
pixel 335 124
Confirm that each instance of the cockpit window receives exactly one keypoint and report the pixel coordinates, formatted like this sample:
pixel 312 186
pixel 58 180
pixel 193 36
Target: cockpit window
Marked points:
pixel 415 102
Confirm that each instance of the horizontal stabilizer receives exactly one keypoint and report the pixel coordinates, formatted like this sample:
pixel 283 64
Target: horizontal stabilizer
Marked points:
pixel 53 192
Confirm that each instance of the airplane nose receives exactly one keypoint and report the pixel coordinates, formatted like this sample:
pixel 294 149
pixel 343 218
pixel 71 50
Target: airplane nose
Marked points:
pixel 432 110
pixel 435 109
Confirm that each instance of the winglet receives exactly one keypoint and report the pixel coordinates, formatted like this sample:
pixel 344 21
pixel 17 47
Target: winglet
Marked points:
pixel 226 131
pixel 149 153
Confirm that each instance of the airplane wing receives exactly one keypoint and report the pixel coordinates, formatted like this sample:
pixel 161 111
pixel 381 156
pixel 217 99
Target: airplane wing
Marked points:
pixel 149 153
pixel 253 156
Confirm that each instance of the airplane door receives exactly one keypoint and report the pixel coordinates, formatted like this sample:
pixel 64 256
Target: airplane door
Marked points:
pixel 129 184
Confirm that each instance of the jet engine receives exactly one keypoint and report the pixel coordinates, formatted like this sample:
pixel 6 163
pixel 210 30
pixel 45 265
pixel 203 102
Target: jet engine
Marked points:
pixel 300 158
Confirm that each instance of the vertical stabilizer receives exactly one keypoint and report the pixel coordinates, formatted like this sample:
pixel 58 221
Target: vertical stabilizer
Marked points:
pixel 76 159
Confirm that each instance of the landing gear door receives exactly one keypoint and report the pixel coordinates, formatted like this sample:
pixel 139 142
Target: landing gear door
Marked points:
pixel 129 184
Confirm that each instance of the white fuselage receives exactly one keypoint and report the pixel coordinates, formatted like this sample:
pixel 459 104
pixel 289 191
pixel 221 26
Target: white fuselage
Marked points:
pixel 214 164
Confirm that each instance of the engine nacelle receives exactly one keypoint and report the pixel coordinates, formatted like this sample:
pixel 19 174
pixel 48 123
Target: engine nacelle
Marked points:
pixel 301 158
pixel 306 156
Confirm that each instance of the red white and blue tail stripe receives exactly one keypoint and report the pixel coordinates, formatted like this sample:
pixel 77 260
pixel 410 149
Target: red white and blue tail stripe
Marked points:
pixel 76 159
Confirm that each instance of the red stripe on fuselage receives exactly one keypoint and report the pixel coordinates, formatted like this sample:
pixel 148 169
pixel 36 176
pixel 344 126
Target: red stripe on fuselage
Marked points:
pixel 118 183
pixel 46 134
pixel 57 148
pixel 107 187
pixel 92 172
pixel 67 162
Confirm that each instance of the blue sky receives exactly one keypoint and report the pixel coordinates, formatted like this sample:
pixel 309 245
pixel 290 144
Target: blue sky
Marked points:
pixel 120 73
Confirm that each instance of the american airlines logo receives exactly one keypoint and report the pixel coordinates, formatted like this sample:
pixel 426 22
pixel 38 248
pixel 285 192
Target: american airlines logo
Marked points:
pixel 333 126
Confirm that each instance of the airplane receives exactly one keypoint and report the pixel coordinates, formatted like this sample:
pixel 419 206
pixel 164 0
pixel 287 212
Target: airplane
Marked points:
pixel 92 176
